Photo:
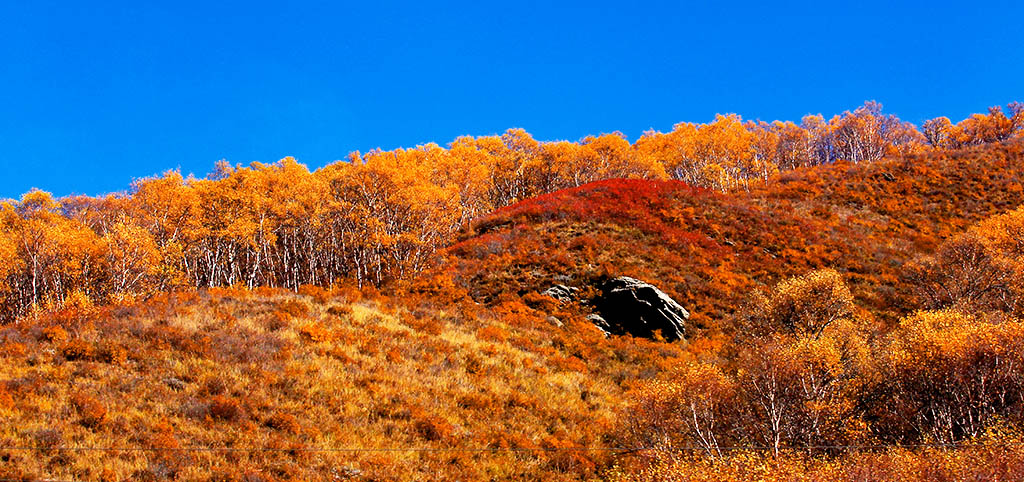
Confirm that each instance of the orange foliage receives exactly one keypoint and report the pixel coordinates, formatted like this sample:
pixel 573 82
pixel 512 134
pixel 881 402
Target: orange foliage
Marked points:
pixel 91 411
pixel 801 373
pixel 382 215
pixel 789 243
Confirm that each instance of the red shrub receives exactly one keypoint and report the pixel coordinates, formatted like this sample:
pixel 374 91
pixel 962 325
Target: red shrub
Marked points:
pixel 77 349
pixel 224 408
pixel 284 422
pixel 55 334
pixel 492 333
pixel 91 411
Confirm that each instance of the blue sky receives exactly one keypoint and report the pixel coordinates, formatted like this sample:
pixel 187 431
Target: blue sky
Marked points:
pixel 94 94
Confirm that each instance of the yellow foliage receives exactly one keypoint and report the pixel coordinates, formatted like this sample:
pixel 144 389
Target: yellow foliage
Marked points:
pixel 806 304
pixel 952 374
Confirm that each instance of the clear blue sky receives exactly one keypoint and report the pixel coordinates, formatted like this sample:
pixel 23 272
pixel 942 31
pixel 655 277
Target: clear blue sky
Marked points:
pixel 93 96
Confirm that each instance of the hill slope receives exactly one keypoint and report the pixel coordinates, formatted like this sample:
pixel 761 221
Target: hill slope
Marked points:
pixel 270 385
pixel 468 361
pixel 710 249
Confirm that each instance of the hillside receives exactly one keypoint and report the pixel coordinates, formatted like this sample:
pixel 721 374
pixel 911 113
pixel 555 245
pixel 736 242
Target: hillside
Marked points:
pixel 710 249
pixel 315 382
pixel 466 370
pixel 383 216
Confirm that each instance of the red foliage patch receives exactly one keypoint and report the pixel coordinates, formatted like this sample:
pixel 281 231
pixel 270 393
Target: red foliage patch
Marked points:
pixel 708 250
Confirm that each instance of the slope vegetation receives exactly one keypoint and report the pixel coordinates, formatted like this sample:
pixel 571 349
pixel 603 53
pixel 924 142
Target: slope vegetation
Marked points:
pixel 269 385
pixel 709 250
pixel 467 364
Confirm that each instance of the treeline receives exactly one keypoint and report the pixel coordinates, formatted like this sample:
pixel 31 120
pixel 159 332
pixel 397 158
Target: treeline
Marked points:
pixel 809 372
pixel 383 214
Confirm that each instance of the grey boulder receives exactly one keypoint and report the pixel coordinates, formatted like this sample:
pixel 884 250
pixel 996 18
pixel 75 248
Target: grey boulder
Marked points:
pixel 628 306
pixel 562 293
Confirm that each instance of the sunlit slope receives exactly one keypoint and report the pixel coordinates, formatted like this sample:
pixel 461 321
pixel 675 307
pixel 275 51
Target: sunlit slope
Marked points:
pixel 282 386
pixel 710 249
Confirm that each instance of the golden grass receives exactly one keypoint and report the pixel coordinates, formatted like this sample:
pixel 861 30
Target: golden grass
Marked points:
pixel 270 369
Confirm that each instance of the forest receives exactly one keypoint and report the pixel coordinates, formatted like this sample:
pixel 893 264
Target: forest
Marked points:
pixel 856 287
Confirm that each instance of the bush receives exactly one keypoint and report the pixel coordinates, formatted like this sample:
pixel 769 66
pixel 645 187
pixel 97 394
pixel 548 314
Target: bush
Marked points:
pixel 91 411
pixel 492 333
pixel 77 349
pixel 55 334
pixel 318 294
pixel 113 354
pixel 224 408
pixel 314 332
pixel 948 376
pixel 284 422
pixel 293 308
pixel 431 427
pixel 340 310
pixel 6 399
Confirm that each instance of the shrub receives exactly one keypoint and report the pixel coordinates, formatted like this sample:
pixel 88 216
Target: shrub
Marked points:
pixel 214 386
pixel 692 408
pixel 423 324
pixel 48 437
pixel 6 400
pixel 266 291
pixel 77 349
pixel 314 332
pixel 55 334
pixel 431 427
pixel 13 349
pixel 563 458
pixel 277 320
pixel 951 375
pixel 805 304
pixel 113 354
pixel 492 333
pixel 340 310
pixel 284 422
pixel 476 401
pixel 369 348
pixel 293 308
pixel 224 408
pixel 568 363
pixel 91 411
pixel 318 294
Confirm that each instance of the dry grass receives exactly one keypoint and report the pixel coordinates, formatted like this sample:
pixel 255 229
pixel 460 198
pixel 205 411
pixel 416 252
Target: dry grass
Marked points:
pixel 269 369
pixel 1001 462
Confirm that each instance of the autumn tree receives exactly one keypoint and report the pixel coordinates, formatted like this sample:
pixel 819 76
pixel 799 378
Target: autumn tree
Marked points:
pixel 400 217
pixel 822 144
pixel 976 129
pixel 948 375
pixel 465 170
pixel 937 132
pixel 802 351
pixel 507 158
pixel 11 264
pixel 168 207
pixel 132 258
pixel 801 391
pixel 793 146
pixel 803 306
pixel 794 382
pixel 980 270
pixel 693 407
pixel 57 254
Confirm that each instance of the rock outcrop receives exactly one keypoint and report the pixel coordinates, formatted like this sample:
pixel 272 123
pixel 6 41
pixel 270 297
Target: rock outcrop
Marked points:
pixel 630 306
pixel 600 323
pixel 561 293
